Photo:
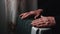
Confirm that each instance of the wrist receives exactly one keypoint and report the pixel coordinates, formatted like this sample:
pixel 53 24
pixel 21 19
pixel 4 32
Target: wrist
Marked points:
pixel 51 19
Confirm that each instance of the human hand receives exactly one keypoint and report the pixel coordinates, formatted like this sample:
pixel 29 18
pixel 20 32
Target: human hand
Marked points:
pixel 36 13
pixel 44 22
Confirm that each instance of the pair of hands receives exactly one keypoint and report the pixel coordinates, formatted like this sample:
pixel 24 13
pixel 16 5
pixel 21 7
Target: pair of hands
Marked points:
pixel 40 22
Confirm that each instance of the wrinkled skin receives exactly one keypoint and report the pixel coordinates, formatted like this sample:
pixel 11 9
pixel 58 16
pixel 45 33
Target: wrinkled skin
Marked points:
pixel 36 13
pixel 40 22
pixel 44 22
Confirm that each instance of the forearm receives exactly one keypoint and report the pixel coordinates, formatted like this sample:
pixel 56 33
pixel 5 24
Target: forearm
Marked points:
pixel 57 22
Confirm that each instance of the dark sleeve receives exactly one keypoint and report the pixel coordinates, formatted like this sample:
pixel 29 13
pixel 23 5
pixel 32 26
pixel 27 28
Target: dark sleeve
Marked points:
pixel 57 19
pixel 57 27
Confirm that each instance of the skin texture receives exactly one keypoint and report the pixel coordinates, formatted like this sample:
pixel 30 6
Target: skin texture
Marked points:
pixel 44 22
pixel 36 13
pixel 40 22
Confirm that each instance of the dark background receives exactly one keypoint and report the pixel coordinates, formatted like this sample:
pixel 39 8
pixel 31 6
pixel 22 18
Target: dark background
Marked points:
pixel 3 20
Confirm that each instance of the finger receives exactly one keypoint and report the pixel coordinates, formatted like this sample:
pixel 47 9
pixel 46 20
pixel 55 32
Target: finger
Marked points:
pixel 21 15
pixel 40 9
pixel 39 24
pixel 33 24
pixel 36 24
pixel 36 16
pixel 45 24
pixel 24 16
pixel 42 16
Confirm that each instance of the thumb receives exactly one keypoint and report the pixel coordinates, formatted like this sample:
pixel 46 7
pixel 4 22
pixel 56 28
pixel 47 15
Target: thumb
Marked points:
pixel 36 16
pixel 42 16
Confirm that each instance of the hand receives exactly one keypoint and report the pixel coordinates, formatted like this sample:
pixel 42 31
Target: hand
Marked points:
pixel 36 13
pixel 44 22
